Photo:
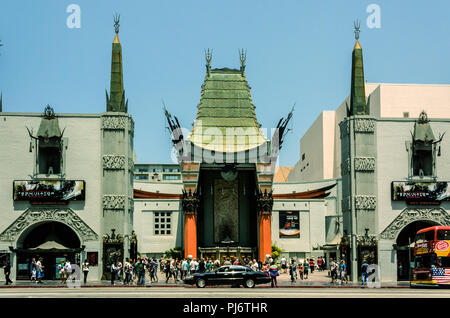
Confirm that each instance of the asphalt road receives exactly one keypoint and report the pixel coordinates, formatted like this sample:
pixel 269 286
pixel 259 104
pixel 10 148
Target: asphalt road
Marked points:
pixel 181 292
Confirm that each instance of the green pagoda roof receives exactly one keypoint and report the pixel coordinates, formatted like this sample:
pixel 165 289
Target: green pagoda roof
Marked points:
pixel 226 119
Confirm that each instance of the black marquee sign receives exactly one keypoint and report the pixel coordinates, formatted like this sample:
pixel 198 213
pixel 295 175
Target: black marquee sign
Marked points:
pixel 49 191
pixel 420 193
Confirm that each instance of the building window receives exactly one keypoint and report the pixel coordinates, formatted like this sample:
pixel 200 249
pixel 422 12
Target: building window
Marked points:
pixel 406 115
pixel 49 157
pixel 171 177
pixel 141 177
pixel 422 159
pixel 303 157
pixel 162 223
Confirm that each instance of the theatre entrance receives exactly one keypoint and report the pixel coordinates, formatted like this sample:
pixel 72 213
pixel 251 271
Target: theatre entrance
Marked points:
pixel 53 242
pixel 227 217
pixel 405 248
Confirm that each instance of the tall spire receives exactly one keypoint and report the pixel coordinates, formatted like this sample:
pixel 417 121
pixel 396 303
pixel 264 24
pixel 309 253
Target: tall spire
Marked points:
pixel 358 104
pixel 115 102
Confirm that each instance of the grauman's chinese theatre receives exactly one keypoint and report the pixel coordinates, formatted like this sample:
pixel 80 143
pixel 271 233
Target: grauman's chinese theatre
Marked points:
pixel 227 166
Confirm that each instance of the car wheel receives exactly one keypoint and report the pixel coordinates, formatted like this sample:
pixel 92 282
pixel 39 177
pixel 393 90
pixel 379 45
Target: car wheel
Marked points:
pixel 249 283
pixel 201 283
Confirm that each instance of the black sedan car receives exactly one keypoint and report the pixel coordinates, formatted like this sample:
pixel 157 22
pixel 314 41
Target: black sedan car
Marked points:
pixel 234 275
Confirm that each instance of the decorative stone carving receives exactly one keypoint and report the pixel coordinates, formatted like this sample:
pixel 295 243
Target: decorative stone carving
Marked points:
pixel 365 202
pixel 346 167
pixel 114 162
pixel 407 216
pixel 131 165
pixel 264 202
pixel 364 163
pixel 364 125
pixel 130 204
pixel 131 126
pixel 114 202
pixel 344 127
pixel 32 216
pixel 114 122
pixel 190 202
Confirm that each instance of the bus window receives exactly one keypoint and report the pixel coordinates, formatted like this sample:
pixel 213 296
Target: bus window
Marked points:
pixel 429 236
pixel 425 260
pixel 443 262
pixel 443 235
pixel 419 238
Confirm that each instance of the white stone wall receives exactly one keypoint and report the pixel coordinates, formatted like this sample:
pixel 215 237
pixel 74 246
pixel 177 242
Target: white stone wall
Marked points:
pixel 82 162
pixel 144 209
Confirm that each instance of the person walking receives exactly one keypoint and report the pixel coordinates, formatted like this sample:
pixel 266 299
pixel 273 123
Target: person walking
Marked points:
pixel 343 272
pixel 113 272
pixel 364 273
pixel 216 264
pixel 273 272
pixel 311 264
pixel 209 266
pixel 154 271
pixel 293 271
pixel 333 271
pixel 7 271
pixel 324 264
pixel 300 270
pixel 126 270
pixel 283 264
pixel 141 272
pixel 319 264
pixel 256 265
pixel 306 268
pixel 85 269
pixel 33 268
pixel 40 270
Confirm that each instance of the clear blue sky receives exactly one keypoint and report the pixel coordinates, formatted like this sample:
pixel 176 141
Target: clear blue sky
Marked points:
pixel 297 51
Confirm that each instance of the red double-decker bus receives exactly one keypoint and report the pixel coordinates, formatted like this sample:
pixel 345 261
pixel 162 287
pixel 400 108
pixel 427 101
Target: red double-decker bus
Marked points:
pixel 432 257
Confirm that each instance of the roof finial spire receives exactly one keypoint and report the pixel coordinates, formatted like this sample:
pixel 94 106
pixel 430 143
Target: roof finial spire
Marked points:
pixel 357 25
pixel 116 22
pixel 242 58
pixel 208 58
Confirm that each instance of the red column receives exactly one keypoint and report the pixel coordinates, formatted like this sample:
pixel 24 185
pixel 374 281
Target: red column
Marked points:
pixel 190 234
pixel 265 236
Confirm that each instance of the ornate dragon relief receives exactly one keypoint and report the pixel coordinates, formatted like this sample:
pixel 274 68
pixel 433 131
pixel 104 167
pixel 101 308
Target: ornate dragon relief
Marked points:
pixel 364 125
pixel 408 216
pixel 114 202
pixel 32 216
pixel 114 162
pixel 365 202
pixel 364 163
pixel 190 202
pixel 114 122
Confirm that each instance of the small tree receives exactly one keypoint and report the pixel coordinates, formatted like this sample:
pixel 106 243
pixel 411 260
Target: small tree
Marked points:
pixel 174 253
pixel 276 252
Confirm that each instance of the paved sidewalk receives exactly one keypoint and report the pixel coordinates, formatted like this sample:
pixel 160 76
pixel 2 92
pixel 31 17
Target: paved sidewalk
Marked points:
pixel 315 280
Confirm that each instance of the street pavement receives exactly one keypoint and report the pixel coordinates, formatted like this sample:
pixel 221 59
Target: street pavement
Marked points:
pixel 318 279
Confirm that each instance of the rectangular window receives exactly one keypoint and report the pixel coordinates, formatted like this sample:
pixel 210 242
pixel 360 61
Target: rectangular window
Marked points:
pixel 141 177
pixel 171 177
pixel 162 223
pixel 422 160
pixel 49 157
